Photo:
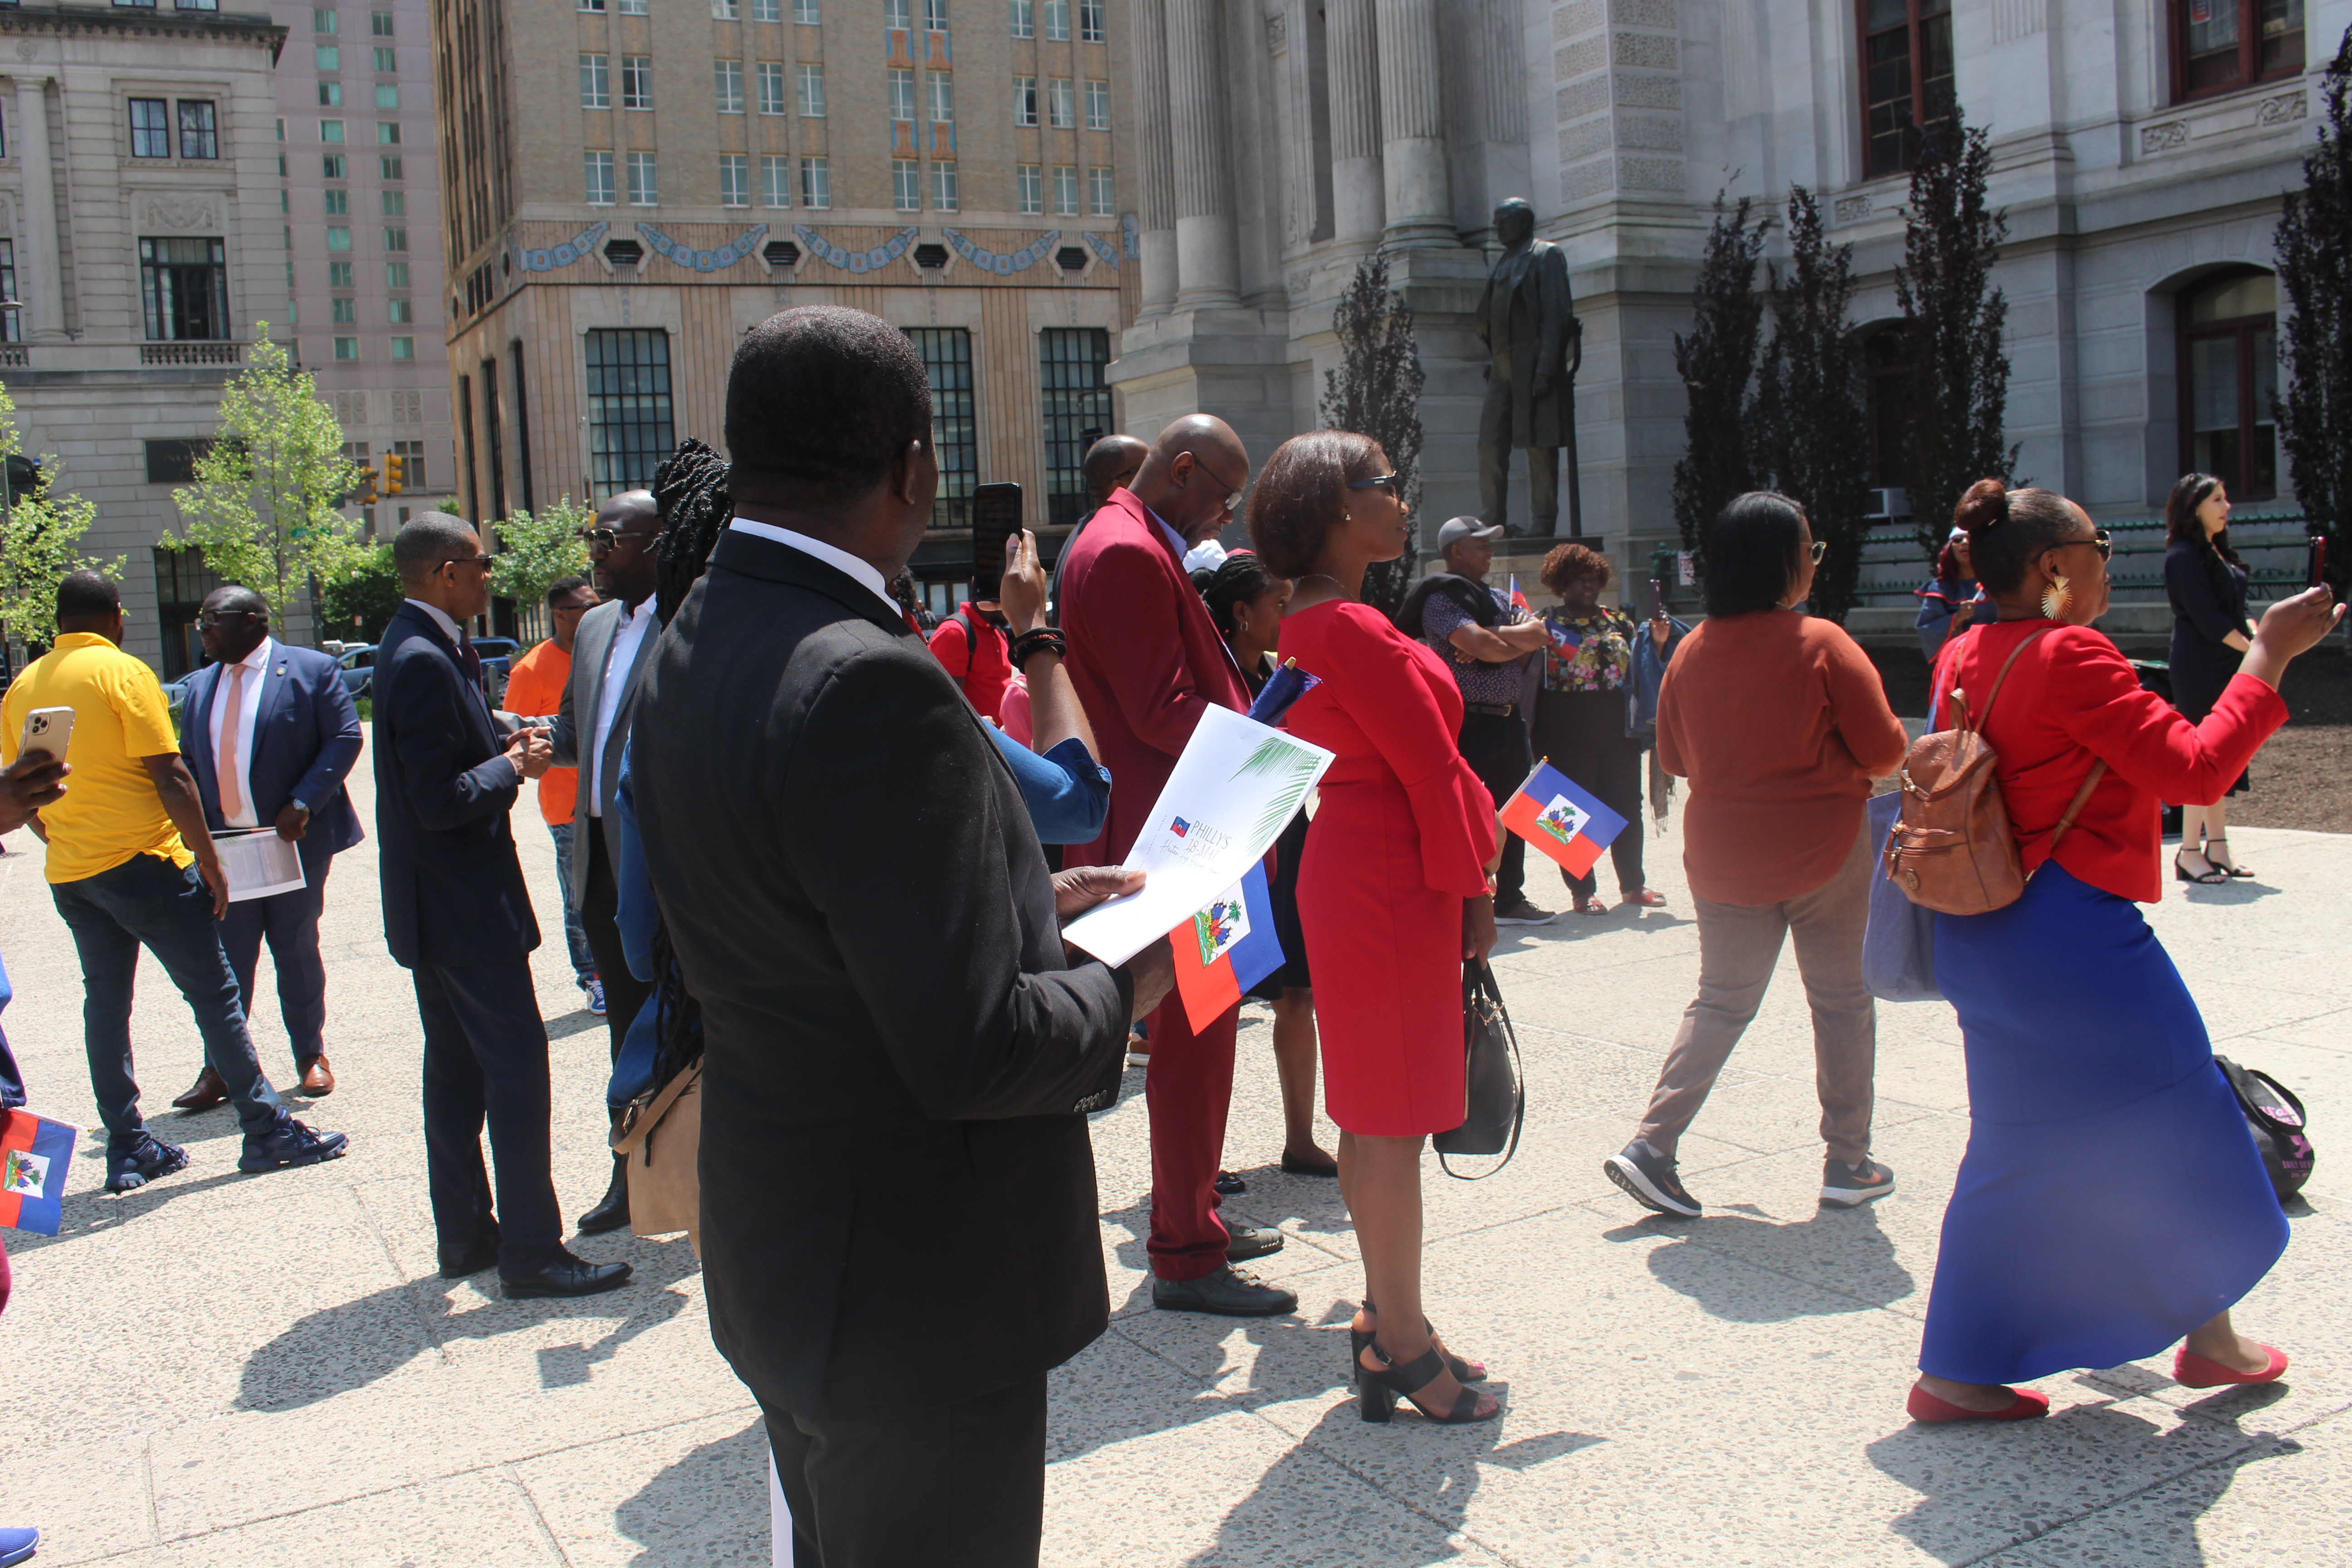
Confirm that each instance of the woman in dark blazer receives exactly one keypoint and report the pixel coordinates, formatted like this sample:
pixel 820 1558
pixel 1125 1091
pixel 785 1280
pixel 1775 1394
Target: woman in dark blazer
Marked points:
pixel 2206 582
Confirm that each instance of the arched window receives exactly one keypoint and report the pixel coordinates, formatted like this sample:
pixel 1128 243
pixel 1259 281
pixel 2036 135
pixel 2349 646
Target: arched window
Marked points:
pixel 2228 371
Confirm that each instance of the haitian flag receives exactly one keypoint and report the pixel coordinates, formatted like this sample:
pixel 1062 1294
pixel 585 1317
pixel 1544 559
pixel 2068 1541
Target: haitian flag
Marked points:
pixel 1560 819
pixel 33 1157
pixel 1225 949
pixel 1519 600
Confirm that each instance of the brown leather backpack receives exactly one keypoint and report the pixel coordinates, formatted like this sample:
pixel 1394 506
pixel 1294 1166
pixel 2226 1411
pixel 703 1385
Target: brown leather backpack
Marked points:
pixel 1951 849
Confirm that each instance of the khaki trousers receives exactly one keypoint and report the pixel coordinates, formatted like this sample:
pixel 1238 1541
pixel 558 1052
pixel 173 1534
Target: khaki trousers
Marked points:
pixel 1737 946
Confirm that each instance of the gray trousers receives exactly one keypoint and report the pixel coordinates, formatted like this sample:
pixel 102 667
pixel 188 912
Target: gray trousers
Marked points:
pixel 1737 946
pixel 1494 467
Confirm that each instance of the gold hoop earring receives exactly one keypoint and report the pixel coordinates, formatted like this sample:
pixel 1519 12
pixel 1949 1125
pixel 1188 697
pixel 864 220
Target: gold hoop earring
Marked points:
pixel 2057 598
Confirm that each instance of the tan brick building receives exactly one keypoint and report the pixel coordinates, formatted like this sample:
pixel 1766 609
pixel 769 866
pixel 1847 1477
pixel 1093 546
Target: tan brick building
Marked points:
pixel 630 184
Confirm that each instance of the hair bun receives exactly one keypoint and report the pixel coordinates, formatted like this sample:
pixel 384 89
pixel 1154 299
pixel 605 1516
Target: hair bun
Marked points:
pixel 1986 504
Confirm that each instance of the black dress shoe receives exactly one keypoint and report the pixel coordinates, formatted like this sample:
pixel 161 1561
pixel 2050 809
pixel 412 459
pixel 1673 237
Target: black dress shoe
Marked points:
pixel 1228 1293
pixel 611 1210
pixel 1231 1184
pixel 1243 1242
pixel 566 1276
pixel 457 1262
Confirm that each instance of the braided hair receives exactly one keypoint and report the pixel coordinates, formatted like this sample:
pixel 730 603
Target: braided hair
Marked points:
pixel 690 490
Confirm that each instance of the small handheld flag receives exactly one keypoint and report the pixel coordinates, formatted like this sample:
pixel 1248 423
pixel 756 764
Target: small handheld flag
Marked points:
pixel 35 1155
pixel 1519 600
pixel 1225 949
pixel 1561 820
pixel 1283 688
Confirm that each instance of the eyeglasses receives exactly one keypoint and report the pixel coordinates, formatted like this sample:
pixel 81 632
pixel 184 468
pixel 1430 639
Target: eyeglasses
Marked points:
pixel 483 561
pixel 604 538
pixel 1821 548
pixel 1234 498
pixel 1393 483
pixel 223 617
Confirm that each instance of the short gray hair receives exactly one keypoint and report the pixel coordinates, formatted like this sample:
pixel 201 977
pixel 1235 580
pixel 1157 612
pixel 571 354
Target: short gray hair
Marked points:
pixel 427 540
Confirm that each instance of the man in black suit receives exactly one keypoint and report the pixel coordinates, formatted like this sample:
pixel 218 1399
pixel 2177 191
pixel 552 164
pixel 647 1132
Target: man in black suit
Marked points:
pixel 457 917
pixel 900 1053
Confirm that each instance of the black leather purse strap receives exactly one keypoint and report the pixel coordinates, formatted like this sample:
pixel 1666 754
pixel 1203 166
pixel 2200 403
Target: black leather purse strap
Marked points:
pixel 1477 985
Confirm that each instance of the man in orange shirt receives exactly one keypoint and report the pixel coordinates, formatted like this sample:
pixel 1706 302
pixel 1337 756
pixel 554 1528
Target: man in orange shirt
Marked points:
pixel 535 685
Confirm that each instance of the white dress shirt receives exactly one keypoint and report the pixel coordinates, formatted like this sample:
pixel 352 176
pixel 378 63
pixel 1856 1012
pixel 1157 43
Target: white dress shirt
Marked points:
pixel 233 755
pixel 619 660
pixel 855 568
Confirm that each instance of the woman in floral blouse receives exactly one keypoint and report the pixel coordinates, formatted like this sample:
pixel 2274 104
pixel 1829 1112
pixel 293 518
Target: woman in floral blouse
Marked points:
pixel 1581 712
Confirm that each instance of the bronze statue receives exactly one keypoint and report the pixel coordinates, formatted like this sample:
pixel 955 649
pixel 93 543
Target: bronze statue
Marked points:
pixel 1535 344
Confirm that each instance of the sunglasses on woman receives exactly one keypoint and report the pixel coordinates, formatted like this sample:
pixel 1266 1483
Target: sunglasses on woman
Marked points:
pixel 1391 483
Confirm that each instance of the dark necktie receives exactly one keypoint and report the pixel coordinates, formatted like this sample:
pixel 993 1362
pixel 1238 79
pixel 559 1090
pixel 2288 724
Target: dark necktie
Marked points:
pixel 472 660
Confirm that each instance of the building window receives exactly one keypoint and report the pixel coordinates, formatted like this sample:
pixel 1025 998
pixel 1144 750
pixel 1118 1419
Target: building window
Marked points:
pixel 2229 362
pixel 775 180
pixel 1057 21
pixel 1065 191
pixel 379 24
pixel 182 583
pixel 347 348
pixel 2221 44
pixel 1061 105
pixel 199 132
pixel 395 239
pixel 906 194
pixel 1070 362
pixel 175 462
pixel 404 348
pixel 325 22
pixel 400 312
pixel 1025 100
pixel 644 192
pixel 631 7
pixel 387 95
pixel 636 81
pixel 395 203
pixel 955 433
pixel 734 179
pixel 331 95
pixel 595 6
pixel 1090 21
pixel 811 84
pixel 935 15
pixel 1887 395
pixel 338 237
pixel 338 275
pixel 343 313
pixel 387 166
pixel 816 183
pixel 629 429
pixel 339 204
pixel 942 96
pixel 1029 186
pixel 943 188
pixel 599 172
pixel 331 131
pixel 410 453
pixel 725 11
pixel 150 134
pixel 332 166
pixel 1906 77
pixel 771 88
pixel 396 273
pixel 902 95
pixel 12 329
pixel 1097 106
pixel 184 286
pixel 385 61
pixel 804 13
pixel 387 134
pixel 727 83
pixel 894 15
pixel 766 11
pixel 1098 193
pixel 327 57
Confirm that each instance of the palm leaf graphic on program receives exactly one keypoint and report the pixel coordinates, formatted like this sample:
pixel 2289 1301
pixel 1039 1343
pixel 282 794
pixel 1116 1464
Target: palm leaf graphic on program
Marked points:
pixel 1278 756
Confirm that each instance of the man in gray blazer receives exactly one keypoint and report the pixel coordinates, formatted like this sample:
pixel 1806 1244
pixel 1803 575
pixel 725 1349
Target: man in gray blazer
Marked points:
pixel 609 654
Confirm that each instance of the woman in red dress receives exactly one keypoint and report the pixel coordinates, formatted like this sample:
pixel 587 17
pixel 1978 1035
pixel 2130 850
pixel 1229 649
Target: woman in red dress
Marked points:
pixel 1393 894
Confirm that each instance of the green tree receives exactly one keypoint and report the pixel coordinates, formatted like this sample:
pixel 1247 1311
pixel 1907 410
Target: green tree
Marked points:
pixel 1811 432
pixel 1716 361
pixel 1953 317
pixel 359 604
pixel 266 509
pixel 535 550
pixel 41 543
pixel 2314 269
pixel 1375 390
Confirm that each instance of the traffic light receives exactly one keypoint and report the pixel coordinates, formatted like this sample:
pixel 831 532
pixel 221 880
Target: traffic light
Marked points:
pixel 365 495
pixel 394 470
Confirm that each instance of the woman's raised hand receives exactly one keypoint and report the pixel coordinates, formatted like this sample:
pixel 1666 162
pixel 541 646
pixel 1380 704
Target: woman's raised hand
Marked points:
pixel 2295 625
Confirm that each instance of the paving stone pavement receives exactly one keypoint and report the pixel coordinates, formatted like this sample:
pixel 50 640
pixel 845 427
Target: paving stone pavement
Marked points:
pixel 230 1369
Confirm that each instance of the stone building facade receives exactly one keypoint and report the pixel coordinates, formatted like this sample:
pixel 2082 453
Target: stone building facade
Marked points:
pixel 139 195
pixel 2140 150
pixel 632 184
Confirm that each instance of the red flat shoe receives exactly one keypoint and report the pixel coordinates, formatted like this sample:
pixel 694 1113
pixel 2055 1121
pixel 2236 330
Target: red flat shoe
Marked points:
pixel 2028 1404
pixel 2193 1370
pixel 1647 899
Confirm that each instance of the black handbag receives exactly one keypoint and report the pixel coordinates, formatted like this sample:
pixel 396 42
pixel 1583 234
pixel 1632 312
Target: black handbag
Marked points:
pixel 2275 1118
pixel 1495 1090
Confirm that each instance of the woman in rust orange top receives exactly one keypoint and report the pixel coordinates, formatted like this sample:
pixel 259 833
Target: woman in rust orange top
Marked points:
pixel 1393 891
pixel 2111 1201
pixel 1779 723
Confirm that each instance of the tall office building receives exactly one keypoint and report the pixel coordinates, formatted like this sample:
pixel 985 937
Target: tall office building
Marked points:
pixel 361 202
pixel 632 184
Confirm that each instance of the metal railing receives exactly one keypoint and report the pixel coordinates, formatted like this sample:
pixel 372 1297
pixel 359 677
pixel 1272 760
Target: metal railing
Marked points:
pixel 2272 543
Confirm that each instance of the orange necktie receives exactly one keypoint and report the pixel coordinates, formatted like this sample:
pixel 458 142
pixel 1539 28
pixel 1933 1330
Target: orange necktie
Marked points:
pixel 232 788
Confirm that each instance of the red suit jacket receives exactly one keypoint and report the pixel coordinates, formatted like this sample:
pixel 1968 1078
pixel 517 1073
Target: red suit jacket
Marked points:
pixel 1145 657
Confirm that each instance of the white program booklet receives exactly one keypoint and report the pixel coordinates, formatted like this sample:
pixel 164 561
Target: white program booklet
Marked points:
pixel 1234 791
pixel 258 863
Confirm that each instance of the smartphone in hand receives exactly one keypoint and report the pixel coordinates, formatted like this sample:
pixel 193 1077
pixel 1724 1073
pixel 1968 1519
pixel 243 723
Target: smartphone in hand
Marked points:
pixel 2316 572
pixel 995 520
pixel 47 731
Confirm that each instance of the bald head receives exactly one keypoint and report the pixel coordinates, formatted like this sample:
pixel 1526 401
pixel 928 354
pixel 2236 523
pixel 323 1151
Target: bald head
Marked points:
pixel 1110 463
pixel 630 509
pixel 233 624
pixel 1193 475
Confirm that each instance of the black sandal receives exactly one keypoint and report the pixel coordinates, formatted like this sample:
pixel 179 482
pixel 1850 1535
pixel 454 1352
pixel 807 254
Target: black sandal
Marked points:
pixel 1463 1371
pixel 2213 876
pixel 1377 1389
pixel 2233 868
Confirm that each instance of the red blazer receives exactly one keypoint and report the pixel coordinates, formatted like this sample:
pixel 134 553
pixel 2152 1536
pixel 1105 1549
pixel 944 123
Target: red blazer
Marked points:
pixel 1145 657
pixel 2071 698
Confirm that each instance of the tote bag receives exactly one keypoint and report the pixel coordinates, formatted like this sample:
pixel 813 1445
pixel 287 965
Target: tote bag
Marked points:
pixel 1898 945
pixel 1494 1088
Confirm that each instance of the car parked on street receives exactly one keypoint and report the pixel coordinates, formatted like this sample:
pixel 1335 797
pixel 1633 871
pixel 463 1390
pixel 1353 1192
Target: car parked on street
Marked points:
pixel 358 661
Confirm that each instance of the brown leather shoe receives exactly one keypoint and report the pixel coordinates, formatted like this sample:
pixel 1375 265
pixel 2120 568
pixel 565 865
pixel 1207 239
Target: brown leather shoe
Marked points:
pixel 318 1077
pixel 206 1092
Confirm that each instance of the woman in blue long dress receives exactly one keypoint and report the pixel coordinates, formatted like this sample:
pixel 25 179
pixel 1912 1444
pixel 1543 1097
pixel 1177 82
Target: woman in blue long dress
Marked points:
pixel 2111 1201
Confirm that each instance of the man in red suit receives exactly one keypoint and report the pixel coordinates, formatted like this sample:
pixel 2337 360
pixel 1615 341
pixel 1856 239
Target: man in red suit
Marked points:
pixel 1147 659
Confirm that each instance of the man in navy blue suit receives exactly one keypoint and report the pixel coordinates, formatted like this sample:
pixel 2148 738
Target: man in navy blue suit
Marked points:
pixel 270 734
pixel 457 917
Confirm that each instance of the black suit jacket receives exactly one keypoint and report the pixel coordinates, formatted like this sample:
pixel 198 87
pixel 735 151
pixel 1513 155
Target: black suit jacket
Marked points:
pixel 453 891
pixel 897 1190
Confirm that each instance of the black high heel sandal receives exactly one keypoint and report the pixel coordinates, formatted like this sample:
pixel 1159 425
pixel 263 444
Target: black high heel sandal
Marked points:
pixel 2233 869
pixel 1463 1371
pixel 1377 1390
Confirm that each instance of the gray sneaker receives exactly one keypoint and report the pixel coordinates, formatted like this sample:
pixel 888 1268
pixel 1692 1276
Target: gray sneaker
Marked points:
pixel 1847 1185
pixel 1649 1179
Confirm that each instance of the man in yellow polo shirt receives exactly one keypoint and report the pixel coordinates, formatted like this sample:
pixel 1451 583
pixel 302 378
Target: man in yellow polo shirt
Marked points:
pixel 130 864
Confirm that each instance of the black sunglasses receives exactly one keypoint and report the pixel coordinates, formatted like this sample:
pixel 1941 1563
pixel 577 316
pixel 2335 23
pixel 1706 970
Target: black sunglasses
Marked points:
pixel 603 537
pixel 1393 483
pixel 2098 541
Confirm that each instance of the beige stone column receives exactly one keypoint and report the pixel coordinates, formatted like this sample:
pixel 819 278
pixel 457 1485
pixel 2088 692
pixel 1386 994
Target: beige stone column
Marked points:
pixel 40 279
pixel 1155 166
pixel 1357 208
pixel 1412 126
pixel 1208 269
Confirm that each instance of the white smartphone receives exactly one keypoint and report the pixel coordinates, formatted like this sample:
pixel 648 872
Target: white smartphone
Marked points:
pixel 47 731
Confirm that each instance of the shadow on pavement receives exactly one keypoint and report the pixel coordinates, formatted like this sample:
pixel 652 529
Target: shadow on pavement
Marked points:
pixel 1839 1251
pixel 709 1507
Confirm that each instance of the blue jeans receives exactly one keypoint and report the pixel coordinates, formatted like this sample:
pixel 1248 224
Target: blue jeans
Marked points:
pixel 149 901
pixel 576 934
